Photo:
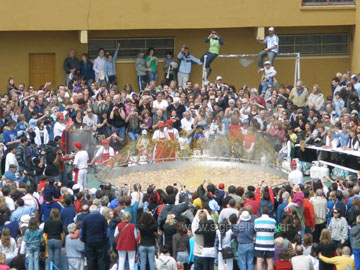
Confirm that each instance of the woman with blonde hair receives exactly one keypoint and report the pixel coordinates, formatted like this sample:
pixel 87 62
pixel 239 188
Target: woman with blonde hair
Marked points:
pixel 316 99
pixel 327 249
pixel 125 239
pixel 169 230
pixel 8 245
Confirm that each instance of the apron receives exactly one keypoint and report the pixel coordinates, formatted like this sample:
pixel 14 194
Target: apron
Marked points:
pixel 105 156
pixel 160 151
pixel 171 147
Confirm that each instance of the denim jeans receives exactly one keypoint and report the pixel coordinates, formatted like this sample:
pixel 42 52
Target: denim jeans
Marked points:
pixel 246 256
pixel 152 76
pixel 147 253
pixel 357 258
pixel 54 249
pixel 141 82
pixel 133 136
pixel 198 263
pixel 269 55
pixel 120 131
pixel 267 84
pixel 32 253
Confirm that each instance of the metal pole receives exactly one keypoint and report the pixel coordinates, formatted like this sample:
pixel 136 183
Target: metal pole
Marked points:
pixel 204 71
pixel 298 58
pixel 295 73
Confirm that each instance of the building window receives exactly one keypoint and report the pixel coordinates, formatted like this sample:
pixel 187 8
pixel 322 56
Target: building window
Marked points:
pixel 327 2
pixel 131 46
pixel 321 44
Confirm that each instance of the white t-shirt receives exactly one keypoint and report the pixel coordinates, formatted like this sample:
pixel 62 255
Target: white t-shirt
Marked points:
pixel 90 122
pixel 160 135
pixel 9 160
pixel 160 106
pixel 102 150
pixel 296 177
pixel 29 200
pixel 81 159
pixel 59 129
pixel 186 124
pixel 10 203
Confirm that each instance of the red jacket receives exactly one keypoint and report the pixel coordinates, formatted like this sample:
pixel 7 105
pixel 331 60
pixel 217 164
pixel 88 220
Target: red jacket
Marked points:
pixel 258 198
pixel 126 240
pixel 283 265
pixel 309 214
pixel 254 205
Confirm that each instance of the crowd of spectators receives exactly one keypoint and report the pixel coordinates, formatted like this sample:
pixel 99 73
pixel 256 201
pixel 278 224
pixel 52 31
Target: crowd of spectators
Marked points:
pixel 48 215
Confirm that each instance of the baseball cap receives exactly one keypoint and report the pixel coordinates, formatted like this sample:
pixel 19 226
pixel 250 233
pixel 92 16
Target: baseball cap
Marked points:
pixel 267 63
pixel 105 141
pixel 77 145
pixel 168 122
pixel 271 28
pixel 12 166
pixel 293 163
pixel 161 124
pixel 354 77
pixel 221 186
pixel 60 116
pixel 354 112
pixel 218 78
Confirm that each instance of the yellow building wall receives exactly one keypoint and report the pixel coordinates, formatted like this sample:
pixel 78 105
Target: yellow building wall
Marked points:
pixel 16 46
pixel 162 14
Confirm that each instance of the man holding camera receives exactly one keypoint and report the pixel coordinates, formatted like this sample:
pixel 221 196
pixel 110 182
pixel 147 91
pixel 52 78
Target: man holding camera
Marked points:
pixel 215 42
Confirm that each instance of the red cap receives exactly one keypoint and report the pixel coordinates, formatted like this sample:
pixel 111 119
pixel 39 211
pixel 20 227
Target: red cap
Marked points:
pixel 105 141
pixel 60 116
pixel 293 163
pixel 114 132
pixel 221 186
pixel 161 124
pixel 77 145
pixel 168 122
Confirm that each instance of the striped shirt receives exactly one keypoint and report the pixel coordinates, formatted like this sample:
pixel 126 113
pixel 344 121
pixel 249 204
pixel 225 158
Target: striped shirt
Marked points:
pixel 265 228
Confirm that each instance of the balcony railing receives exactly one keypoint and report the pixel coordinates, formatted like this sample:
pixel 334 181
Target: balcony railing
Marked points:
pixel 327 2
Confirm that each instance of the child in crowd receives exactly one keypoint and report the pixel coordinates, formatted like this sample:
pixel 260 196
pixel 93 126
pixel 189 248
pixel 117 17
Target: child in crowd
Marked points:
pixel 33 239
pixel 3 265
pixel 283 263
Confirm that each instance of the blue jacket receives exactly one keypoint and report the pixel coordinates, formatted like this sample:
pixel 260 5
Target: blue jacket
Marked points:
pixel 343 138
pixel 93 229
pixel 13 227
pixel 110 66
pixel 186 62
pixel 245 232
pixel 12 177
pixel 46 208
pixel 86 70
pixel 280 210
pixel 10 136
pixel 269 204
pixel 33 238
pixel 20 211
pixel 67 215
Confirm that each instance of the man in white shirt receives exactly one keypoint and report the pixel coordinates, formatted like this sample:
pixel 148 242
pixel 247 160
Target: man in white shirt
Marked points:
pixel 160 103
pixel 272 48
pixel 11 158
pixel 187 122
pixel 301 261
pixel 81 164
pixel 90 119
pixel 295 176
pixel 59 127
pixel 8 200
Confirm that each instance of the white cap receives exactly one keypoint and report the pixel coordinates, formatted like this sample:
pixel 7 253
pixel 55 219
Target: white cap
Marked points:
pixel 93 191
pixel 75 187
pixel 271 28
pixel 218 78
pixel 267 63
pixel 25 219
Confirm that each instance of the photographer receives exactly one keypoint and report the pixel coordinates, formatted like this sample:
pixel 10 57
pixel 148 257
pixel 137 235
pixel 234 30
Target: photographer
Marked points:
pixel 215 41
pixel 53 155
pixel 117 120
